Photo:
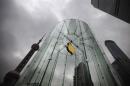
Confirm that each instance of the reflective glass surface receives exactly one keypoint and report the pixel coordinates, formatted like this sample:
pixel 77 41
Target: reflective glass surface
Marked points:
pixel 53 65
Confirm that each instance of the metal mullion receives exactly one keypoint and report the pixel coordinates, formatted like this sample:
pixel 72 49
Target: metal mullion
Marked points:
pixel 31 65
pixel 75 70
pixel 64 71
pixel 42 64
pixel 38 65
pixel 51 56
pixel 90 83
pixel 99 65
pixel 94 59
pixel 53 70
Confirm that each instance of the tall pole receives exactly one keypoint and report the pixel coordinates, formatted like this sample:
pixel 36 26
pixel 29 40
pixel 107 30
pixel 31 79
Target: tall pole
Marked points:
pixel 12 77
pixel 34 48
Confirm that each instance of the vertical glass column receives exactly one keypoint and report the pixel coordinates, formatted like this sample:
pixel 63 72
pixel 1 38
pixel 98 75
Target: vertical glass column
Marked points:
pixel 53 65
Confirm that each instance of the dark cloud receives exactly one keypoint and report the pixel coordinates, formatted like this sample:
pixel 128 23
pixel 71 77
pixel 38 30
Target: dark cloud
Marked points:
pixel 19 28
pixel 7 41
pixel 18 31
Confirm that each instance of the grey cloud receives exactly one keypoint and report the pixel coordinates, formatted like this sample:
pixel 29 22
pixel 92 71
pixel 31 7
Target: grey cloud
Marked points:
pixel 19 29
pixel 7 41
pixel 103 25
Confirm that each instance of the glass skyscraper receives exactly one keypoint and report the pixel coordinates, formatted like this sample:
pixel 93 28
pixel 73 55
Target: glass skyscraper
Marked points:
pixel 117 8
pixel 69 56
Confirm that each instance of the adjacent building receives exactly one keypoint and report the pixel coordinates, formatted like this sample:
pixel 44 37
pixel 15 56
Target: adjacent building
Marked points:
pixel 117 8
pixel 121 63
pixel 82 76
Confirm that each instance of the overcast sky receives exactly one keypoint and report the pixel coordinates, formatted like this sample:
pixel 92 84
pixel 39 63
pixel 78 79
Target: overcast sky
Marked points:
pixel 23 22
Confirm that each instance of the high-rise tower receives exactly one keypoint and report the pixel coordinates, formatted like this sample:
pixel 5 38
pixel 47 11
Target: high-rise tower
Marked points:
pixel 12 77
pixel 71 46
pixel 121 63
pixel 117 8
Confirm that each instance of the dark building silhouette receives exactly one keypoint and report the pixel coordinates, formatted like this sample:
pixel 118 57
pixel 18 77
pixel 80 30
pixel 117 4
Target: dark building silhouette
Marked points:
pixel 12 77
pixel 121 63
pixel 117 8
pixel 53 62
pixel 82 76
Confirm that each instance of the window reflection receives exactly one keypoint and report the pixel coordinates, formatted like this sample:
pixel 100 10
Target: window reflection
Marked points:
pixel 54 65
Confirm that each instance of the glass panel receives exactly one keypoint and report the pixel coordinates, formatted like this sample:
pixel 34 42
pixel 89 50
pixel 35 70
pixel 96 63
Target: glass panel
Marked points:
pixel 53 65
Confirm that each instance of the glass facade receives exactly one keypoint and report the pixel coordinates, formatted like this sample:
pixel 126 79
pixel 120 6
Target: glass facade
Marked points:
pixel 55 65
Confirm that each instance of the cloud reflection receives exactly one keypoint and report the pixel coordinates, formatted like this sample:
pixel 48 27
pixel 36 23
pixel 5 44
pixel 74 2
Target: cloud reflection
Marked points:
pixel 23 22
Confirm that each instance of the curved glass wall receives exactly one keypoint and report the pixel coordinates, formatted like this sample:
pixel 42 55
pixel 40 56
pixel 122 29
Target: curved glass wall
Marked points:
pixel 54 65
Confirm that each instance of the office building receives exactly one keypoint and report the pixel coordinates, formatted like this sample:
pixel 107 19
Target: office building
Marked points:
pixel 117 8
pixel 121 63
